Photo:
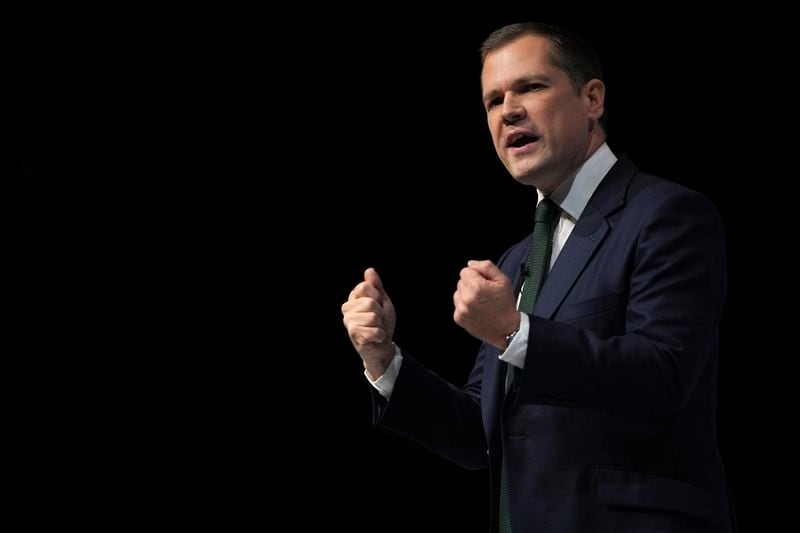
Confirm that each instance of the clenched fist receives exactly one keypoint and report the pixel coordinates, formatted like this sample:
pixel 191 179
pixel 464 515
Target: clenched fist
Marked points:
pixel 370 320
pixel 484 303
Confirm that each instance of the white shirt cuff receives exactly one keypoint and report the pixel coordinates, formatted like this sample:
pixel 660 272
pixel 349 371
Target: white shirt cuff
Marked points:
pixel 385 383
pixel 518 347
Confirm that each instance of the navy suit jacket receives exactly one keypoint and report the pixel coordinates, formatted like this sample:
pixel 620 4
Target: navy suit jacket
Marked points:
pixel 613 426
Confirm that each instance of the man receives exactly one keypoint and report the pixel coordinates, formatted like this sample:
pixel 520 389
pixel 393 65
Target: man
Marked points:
pixel 593 397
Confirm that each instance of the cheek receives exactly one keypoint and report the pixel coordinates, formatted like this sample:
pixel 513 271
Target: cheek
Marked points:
pixel 494 131
pixel 498 149
pixel 567 121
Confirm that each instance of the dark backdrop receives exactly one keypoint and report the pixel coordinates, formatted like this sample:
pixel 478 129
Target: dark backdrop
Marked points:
pixel 197 190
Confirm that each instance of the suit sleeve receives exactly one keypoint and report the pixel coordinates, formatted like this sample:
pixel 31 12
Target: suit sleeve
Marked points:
pixel 427 409
pixel 674 301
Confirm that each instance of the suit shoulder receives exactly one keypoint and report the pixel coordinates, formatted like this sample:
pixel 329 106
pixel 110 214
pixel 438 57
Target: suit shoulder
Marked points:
pixel 652 193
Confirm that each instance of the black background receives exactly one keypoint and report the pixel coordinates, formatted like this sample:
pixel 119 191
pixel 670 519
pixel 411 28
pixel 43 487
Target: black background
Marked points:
pixel 197 190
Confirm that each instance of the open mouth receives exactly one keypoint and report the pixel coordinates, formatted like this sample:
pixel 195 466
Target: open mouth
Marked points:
pixel 523 140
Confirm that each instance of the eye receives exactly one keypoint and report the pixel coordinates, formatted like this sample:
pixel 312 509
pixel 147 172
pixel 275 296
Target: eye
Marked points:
pixel 533 87
pixel 496 101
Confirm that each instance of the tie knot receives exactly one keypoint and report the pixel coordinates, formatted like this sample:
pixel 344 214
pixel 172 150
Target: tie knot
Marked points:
pixel 546 211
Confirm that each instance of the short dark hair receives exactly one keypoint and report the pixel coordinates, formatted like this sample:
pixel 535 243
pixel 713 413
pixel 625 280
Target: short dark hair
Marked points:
pixel 571 53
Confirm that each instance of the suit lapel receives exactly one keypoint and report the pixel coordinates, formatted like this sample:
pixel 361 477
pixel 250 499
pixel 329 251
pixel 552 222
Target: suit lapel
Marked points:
pixel 586 237
pixel 584 240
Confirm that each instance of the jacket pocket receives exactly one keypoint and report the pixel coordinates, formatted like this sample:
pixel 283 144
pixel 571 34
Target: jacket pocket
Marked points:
pixel 592 306
pixel 622 488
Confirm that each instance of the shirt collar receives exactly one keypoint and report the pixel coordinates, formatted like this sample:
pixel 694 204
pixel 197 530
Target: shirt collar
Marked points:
pixel 574 193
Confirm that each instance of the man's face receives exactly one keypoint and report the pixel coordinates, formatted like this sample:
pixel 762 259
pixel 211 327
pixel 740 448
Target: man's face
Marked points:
pixel 540 124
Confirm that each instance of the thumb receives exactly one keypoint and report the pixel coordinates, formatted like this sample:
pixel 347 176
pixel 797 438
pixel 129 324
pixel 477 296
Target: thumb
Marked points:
pixel 486 268
pixel 371 276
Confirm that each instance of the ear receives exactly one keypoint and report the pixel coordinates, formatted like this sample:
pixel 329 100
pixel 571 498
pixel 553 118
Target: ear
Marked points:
pixel 594 94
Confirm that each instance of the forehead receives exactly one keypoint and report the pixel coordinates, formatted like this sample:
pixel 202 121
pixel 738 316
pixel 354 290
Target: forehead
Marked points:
pixel 525 56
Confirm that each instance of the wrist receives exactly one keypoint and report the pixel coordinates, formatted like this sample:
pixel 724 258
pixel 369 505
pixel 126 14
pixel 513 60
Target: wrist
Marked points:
pixel 377 364
pixel 510 337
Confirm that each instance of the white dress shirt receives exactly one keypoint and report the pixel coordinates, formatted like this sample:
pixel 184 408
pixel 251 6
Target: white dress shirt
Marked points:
pixel 571 196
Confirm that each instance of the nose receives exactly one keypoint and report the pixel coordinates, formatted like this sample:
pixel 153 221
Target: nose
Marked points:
pixel 513 111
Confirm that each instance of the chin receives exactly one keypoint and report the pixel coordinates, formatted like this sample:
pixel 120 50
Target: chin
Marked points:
pixel 525 179
pixel 524 174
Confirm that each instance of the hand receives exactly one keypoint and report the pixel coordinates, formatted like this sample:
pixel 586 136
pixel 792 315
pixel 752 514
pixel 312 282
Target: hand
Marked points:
pixel 485 304
pixel 370 321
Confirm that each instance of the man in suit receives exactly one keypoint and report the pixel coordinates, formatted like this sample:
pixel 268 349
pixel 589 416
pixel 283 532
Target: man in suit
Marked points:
pixel 595 412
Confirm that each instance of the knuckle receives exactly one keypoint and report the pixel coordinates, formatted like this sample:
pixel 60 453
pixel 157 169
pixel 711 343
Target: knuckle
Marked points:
pixel 371 318
pixel 467 296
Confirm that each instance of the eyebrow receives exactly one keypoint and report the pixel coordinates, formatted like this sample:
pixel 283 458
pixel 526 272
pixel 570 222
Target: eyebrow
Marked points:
pixel 525 80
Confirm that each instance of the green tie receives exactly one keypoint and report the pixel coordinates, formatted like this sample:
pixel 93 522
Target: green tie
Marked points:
pixel 539 256
pixel 536 268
